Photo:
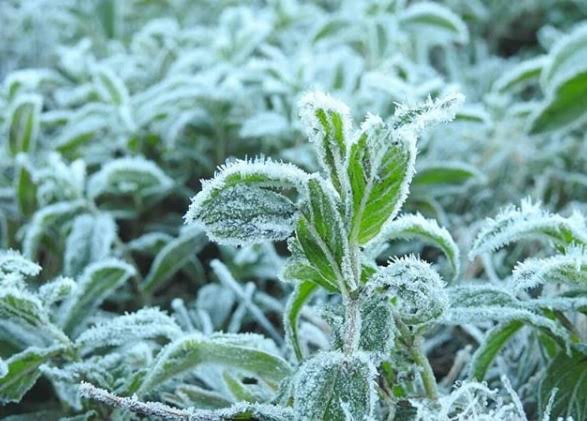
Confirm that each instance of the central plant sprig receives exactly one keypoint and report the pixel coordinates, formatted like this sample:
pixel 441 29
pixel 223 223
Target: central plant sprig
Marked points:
pixel 336 216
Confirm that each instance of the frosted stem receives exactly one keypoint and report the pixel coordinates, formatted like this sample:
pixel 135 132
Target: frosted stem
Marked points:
pixel 427 374
pixel 352 327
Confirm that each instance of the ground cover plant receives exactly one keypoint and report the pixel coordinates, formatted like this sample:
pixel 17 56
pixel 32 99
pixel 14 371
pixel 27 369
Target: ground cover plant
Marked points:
pixel 293 210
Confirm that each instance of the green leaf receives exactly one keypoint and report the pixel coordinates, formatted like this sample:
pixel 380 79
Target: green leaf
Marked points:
pixel 328 125
pixel 520 75
pixel 23 124
pixel 110 87
pixel 380 168
pixel 567 59
pixel 564 108
pixel 301 295
pixel 440 179
pixel 298 269
pixel 334 386
pixel 320 232
pixel 568 376
pixel 147 323
pixel 26 189
pixel 135 176
pixel 247 202
pixel 23 372
pixel 417 227
pixel 377 324
pixel 174 256
pixel 190 351
pixel 436 20
pixel 25 320
pixel 570 269
pixel 192 395
pixel 98 281
pixel 494 341
pixel 475 304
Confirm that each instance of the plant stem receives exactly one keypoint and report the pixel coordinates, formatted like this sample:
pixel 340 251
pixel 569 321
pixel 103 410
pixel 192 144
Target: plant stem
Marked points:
pixel 352 326
pixel 427 374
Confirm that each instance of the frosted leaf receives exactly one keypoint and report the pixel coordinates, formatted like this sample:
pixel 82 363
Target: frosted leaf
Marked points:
pixel 328 125
pixel 563 109
pixel 89 241
pixel 416 226
pixel 474 304
pixel 56 290
pixel 60 181
pixel 570 268
pixel 95 284
pixel 144 324
pixel 23 124
pixel 300 295
pixel 437 179
pixel 217 301
pixel 190 351
pixel 14 264
pixel 110 87
pixel 49 217
pixel 239 205
pixel 22 372
pixel 321 234
pixel 521 74
pixel 380 169
pixel 416 290
pixel 411 120
pixel 172 257
pixel 160 411
pixel 133 175
pixel 25 320
pixel 332 384
pixel 436 21
pixel 567 57
pixel 150 243
pixel 378 329
pixel 298 269
pixel 492 344
pixel 468 401
pixel 528 221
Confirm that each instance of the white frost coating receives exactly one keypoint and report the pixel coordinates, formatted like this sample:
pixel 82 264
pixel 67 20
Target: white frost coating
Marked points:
pixel 144 324
pixel 89 241
pixel 469 401
pixel 160 411
pixel 56 290
pixel 430 14
pixel 570 268
pixel 312 101
pixel 518 73
pixel 278 175
pixel 567 58
pixel 419 290
pixel 110 173
pixel 416 226
pixel 13 263
pixel 326 379
pixel 3 368
pixel 528 221
pixel 414 119
pixel 45 217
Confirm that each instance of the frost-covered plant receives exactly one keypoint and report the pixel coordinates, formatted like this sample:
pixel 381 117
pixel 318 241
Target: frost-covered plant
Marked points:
pixel 339 219
pixel 547 293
